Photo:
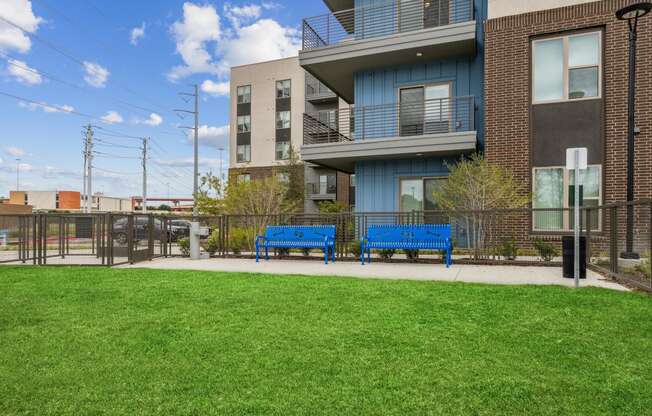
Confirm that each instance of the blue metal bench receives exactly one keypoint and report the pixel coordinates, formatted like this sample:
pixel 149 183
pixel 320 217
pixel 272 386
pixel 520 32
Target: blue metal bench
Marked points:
pixel 297 236
pixel 408 237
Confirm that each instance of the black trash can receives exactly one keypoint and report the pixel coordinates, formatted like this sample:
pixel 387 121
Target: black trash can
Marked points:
pixel 568 256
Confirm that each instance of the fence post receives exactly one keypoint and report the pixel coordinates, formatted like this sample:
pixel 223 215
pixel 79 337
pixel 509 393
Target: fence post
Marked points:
pixel 130 239
pixel 649 230
pixel 613 239
pixel 588 235
pixel 150 237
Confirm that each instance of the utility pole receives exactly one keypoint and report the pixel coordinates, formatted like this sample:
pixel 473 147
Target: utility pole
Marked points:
pixel 194 225
pixel 145 139
pixel 17 174
pixel 195 179
pixel 88 169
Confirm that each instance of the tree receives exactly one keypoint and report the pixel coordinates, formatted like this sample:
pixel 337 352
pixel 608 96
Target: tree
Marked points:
pixel 210 195
pixel 293 171
pixel 473 187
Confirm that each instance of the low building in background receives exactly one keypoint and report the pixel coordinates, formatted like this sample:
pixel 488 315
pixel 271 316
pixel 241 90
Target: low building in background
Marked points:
pixel 68 201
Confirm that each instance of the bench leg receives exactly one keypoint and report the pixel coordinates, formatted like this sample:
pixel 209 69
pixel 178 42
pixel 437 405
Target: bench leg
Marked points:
pixel 257 247
pixel 368 255
pixel 333 253
pixel 266 253
pixel 326 254
pixel 362 253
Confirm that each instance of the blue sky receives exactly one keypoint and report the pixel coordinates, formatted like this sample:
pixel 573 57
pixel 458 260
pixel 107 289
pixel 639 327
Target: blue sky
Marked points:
pixel 119 65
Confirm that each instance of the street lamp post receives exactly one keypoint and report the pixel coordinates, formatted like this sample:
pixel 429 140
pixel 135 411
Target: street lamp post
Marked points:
pixel 631 14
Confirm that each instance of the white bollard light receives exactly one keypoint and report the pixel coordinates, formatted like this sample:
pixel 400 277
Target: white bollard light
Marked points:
pixel 194 240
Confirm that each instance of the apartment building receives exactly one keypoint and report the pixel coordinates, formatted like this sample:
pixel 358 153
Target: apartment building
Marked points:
pixel 556 76
pixel 268 102
pixel 413 73
pixel 68 201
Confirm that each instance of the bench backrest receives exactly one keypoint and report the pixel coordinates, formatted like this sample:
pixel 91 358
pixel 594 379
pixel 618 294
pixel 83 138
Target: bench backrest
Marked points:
pixel 299 232
pixel 409 232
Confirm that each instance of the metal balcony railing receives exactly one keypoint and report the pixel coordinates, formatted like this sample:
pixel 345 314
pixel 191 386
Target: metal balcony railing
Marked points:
pixel 321 188
pixel 395 16
pixel 317 90
pixel 444 115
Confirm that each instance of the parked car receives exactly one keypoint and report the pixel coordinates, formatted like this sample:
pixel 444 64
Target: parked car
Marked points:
pixel 141 231
pixel 179 229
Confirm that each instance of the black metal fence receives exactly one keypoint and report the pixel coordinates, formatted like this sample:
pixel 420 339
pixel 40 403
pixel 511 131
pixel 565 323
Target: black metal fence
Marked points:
pixel 507 236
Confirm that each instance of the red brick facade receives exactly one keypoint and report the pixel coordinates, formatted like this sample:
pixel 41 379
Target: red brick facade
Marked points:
pixel 507 91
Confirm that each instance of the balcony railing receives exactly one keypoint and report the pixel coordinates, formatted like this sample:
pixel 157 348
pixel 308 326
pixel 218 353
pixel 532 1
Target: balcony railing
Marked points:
pixel 438 116
pixel 396 16
pixel 322 188
pixel 316 90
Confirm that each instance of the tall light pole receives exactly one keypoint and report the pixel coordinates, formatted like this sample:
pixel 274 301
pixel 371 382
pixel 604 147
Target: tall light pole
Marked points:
pixel 17 174
pixel 631 14
pixel 195 179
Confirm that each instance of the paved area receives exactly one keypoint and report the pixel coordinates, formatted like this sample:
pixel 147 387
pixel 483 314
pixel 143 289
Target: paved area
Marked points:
pixel 510 275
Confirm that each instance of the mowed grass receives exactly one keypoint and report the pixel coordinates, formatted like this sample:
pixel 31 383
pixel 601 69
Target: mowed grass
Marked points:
pixel 99 341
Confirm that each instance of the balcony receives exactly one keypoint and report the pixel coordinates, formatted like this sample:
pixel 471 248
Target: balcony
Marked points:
pixel 438 127
pixel 317 92
pixel 335 45
pixel 325 189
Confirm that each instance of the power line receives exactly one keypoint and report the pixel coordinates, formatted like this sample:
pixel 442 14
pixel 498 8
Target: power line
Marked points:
pixel 46 105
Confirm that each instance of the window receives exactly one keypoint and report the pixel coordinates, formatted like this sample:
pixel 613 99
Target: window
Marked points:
pixel 424 109
pixel 244 124
pixel 282 150
pixel 283 88
pixel 417 194
pixel 283 119
pixel 327 184
pixel 566 68
pixel 243 177
pixel 244 94
pixel 328 117
pixel 243 153
pixel 283 177
pixel 554 190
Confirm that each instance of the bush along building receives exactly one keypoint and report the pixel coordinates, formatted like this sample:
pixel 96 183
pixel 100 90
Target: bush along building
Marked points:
pixel 557 77
pixel 412 72
pixel 268 100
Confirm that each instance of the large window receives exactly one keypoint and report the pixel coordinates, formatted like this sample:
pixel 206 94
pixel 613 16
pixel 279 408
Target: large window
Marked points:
pixel 283 88
pixel 282 119
pixel 553 194
pixel 243 153
pixel 244 124
pixel 417 194
pixel 244 94
pixel 282 150
pixel 566 67
pixel 243 177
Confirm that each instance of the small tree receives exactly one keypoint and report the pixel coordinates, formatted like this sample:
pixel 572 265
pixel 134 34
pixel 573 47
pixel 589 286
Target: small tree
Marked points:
pixel 293 169
pixel 475 185
pixel 210 195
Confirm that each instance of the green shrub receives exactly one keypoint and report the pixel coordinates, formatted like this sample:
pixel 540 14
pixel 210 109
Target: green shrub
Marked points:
pixel 332 207
pixel 547 251
pixel 238 240
pixel 212 243
pixel 412 255
pixel 283 252
pixel 386 253
pixel 354 249
pixel 184 246
pixel 508 249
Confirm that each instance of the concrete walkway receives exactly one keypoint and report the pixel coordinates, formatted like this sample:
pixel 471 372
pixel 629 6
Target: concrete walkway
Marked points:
pixel 509 275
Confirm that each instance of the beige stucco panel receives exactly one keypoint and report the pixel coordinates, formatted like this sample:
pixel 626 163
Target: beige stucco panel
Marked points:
pixel 500 8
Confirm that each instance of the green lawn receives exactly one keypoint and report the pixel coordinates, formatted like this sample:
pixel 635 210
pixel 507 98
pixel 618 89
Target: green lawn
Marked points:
pixel 98 341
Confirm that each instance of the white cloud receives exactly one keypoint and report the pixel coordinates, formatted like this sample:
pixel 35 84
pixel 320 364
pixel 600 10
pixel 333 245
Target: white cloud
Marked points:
pixel 200 25
pixel 112 117
pixel 217 137
pixel 153 120
pixel 217 89
pixel 263 40
pixel 48 108
pixel 187 162
pixel 239 14
pixel 23 73
pixel 14 151
pixel 137 33
pixel 96 75
pixel 19 12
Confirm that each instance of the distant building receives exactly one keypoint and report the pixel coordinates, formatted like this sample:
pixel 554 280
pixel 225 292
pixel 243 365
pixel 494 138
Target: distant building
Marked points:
pixel 68 201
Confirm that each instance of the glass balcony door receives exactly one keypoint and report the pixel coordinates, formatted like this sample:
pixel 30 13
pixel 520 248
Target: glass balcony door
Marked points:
pixel 424 109
pixel 436 13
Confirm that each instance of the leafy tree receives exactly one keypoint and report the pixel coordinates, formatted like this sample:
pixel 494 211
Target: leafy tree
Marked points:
pixel 332 207
pixel 210 195
pixel 474 186
pixel 293 170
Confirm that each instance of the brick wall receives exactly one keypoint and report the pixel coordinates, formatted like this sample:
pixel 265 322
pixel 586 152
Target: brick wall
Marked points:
pixel 507 92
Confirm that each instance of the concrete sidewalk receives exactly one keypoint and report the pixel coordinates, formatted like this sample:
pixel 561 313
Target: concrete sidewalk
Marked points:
pixel 509 275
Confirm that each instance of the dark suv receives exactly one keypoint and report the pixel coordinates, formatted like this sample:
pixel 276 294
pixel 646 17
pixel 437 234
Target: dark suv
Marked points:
pixel 141 229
